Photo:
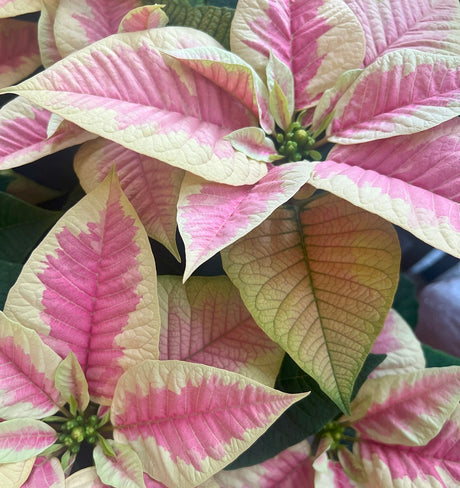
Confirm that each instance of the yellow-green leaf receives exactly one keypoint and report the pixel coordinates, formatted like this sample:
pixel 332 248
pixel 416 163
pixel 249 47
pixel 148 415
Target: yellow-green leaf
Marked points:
pixel 319 277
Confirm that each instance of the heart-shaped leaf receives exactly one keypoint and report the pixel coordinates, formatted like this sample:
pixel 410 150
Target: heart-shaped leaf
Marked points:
pixel 303 274
pixel 205 321
pixel 187 421
pixel 90 288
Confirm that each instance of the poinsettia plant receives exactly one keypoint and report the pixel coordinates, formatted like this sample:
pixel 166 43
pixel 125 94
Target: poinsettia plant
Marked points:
pixel 288 136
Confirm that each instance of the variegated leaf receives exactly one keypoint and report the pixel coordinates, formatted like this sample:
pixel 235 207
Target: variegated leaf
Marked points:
pixel 71 382
pixel 407 410
pixel 24 137
pixel 122 471
pixel 303 274
pixel 432 218
pixel 81 23
pixel 90 288
pixel 204 321
pixel 181 119
pixel 211 217
pixel 27 373
pixel 292 468
pixel 46 473
pixel 316 39
pixel 19 55
pixel 403 350
pixel 434 465
pixel 426 25
pixel 145 17
pixel 187 421
pixel 12 8
pixel 234 75
pixel 403 92
pixel 23 438
pixel 151 186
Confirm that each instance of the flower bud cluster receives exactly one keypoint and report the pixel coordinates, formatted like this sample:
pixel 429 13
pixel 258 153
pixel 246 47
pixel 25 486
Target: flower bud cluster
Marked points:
pixel 296 144
pixel 77 430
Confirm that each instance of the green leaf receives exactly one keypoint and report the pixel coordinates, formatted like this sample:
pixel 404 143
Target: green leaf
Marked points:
pixel 306 417
pixel 215 21
pixel 319 276
pixel 105 446
pixel 9 273
pixel 21 226
pixel 405 302
pixel 436 358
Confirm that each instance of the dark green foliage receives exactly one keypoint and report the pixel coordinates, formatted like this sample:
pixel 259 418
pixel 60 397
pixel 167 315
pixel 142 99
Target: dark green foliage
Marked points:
pixel 304 418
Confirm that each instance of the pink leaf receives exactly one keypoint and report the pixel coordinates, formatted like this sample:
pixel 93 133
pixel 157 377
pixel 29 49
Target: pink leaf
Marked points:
pixel 435 464
pixel 430 217
pixel 427 25
pixel 26 373
pixel 211 217
pixel 317 40
pixel 46 473
pixel 292 468
pixel 90 288
pixel 151 186
pixel 205 321
pixel 407 409
pixel 187 421
pixel 234 75
pixel 19 55
pixel 180 130
pixel 24 137
pixel 404 351
pixel 23 438
pixel 79 24
pixel 141 18
pixel 425 160
pixel 402 92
